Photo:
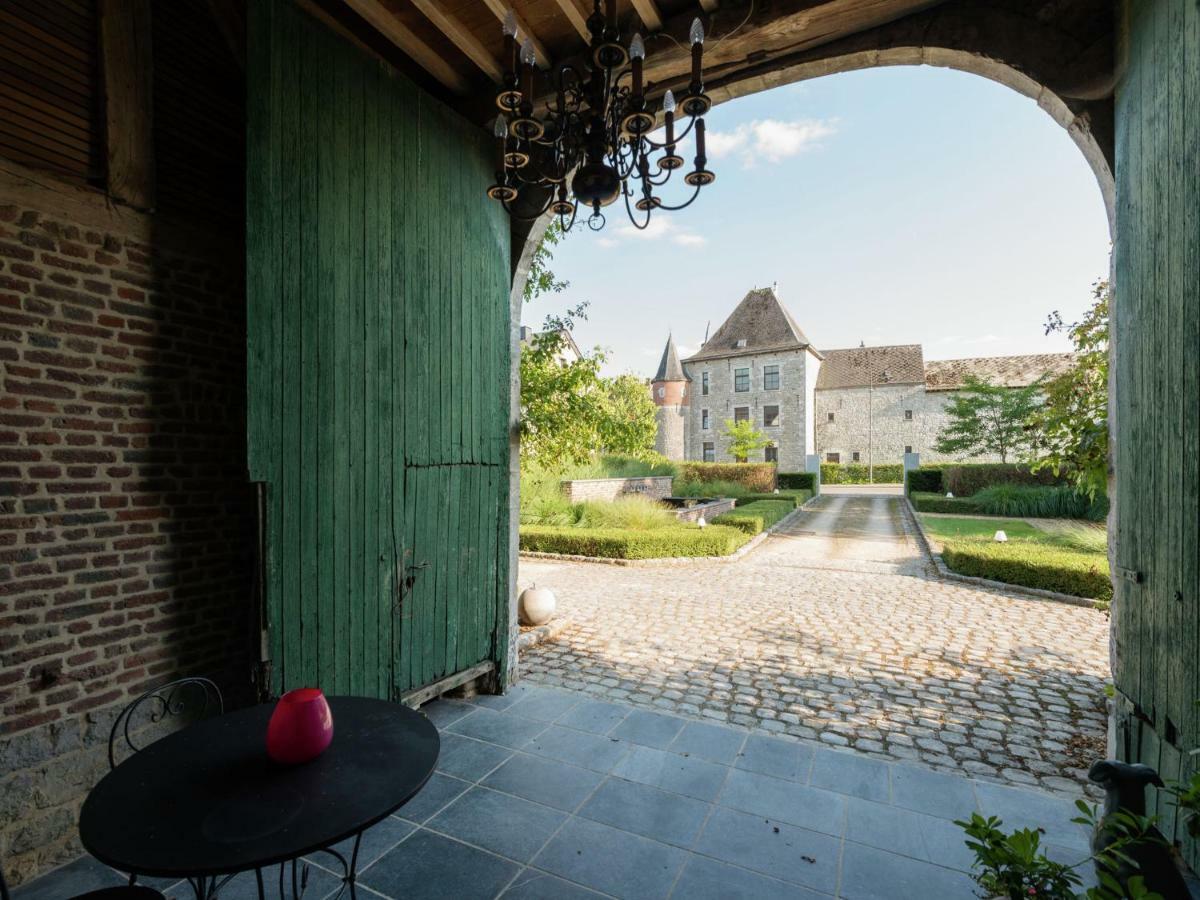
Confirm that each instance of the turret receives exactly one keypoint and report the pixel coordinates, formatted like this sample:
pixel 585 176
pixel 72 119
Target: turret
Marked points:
pixel 669 390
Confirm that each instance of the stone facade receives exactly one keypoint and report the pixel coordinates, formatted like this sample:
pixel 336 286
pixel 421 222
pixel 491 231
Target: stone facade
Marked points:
pixel 579 489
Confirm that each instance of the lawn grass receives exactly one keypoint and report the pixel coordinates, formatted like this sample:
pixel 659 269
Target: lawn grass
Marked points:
pixel 1069 560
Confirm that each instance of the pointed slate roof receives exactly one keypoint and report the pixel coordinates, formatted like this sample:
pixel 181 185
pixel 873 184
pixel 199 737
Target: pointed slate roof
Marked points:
pixel 759 323
pixel 670 369
pixel 872 366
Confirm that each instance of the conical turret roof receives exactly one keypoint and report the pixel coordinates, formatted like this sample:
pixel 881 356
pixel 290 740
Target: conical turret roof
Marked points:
pixel 670 369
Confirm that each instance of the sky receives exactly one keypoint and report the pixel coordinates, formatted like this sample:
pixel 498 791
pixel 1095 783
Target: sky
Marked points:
pixel 890 206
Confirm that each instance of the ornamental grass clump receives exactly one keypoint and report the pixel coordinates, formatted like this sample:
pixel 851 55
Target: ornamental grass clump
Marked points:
pixel 633 513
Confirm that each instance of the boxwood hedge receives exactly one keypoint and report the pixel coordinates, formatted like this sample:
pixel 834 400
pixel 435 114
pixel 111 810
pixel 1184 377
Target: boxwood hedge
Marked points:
pixel 755 476
pixel 621 543
pixel 795 497
pixel 756 517
pixel 806 481
pixel 927 479
pixel 936 503
pixel 860 473
pixel 1030 565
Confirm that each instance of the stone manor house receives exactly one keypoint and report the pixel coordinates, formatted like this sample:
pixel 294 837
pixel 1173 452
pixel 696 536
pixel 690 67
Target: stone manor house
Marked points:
pixel 865 404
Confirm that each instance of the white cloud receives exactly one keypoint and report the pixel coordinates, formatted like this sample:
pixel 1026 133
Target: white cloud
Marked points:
pixel 688 239
pixel 607 242
pixel 660 228
pixel 772 140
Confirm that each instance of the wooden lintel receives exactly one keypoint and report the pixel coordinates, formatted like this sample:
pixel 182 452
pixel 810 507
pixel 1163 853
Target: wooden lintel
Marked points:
pixel 461 37
pixel 383 21
pixel 125 56
pixel 230 16
pixel 648 13
pixel 500 10
pixel 577 14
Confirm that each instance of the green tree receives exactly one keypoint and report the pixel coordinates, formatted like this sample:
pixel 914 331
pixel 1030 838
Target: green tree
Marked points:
pixel 628 425
pixel 1074 421
pixel 744 438
pixel 541 280
pixel 987 418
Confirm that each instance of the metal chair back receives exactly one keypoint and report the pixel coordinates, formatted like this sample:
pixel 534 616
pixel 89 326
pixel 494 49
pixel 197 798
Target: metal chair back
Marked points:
pixel 195 697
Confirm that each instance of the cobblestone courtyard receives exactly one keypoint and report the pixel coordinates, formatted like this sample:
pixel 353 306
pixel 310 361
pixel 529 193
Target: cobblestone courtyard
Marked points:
pixel 833 631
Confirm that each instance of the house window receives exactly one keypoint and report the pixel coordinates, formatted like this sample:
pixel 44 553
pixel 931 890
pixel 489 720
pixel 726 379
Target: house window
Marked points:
pixel 908 448
pixel 771 454
pixel 831 417
pixel 855 456
pixel 741 380
pixel 908 415
pixel 710 452
pixel 770 415
pixel 704 383
pixel 704 419
pixel 770 378
pixel 662 392
pixel 741 414
pixel 833 457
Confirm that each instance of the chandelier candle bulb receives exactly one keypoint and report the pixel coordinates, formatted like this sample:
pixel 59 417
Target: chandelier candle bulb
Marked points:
pixel 696 36
pixel 669 115
pixel 637 53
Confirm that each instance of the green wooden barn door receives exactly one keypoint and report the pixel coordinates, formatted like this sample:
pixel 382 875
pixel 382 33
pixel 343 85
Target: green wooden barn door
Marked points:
pixel 378 368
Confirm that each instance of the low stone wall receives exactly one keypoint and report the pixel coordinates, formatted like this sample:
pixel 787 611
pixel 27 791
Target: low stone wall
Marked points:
pixel 655 487
pixel 709 510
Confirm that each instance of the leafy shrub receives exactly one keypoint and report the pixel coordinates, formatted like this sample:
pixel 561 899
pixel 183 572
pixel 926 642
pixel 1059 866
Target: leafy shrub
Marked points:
pixel 860 473
pixel 795 497
pixel 618 543
pixel 936 503
pixel 636 513
pixel 965 479
pixel 927 479
pixel 1031 565
pixel 756 517
pixel 682 487
pixel 756 477
pixel 803 481
pixel 1053 502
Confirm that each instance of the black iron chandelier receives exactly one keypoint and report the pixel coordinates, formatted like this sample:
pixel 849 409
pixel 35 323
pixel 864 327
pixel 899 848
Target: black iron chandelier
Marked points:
pixel 596 132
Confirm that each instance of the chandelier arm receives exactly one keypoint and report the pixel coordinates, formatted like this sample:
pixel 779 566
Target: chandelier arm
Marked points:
pixel 678 138
pixel 524 218
pixel 629 212
pixel 562 220
pixel 685 204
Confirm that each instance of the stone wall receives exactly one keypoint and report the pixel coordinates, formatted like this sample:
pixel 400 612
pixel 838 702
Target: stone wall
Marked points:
pixel 873 420
pixel 670 438
pixel 606 489
pixel 126 538
pixel 790 435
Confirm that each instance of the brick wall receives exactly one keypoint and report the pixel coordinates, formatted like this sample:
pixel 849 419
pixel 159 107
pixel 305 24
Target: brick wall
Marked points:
pixel 125 518
pixel 654 488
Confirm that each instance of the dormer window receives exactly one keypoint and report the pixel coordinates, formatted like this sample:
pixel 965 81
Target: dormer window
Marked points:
pixel 740 344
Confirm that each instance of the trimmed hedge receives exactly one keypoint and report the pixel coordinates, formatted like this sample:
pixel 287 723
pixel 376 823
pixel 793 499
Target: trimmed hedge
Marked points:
pixel 927 479
pixel 1030 565
pixel 756 517
pixel 964 479
pixel 936 503
pixel 1041 501
pixel 860 473
pixel 796 498
pixel 620 543
pixel 802 481
pixel 759 477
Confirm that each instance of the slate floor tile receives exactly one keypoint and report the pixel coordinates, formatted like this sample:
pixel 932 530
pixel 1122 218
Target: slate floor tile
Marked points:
pixel 716 743
pixel 786 801
pixel 886 827
pixel 851 773
pixel 649 728
pixel 498 822
pixel 438 791
pixel 244 886
pixel 596 716
pixel 504 729
pixel 544 705
pixel 872 874
pixel 644 810
pixel 1033 809
pixel 376 841
pixel 772 848
pixel 672 772
pixel 78 877
pixel 446 712
pixel 612 861
pixel 502 701
pixel 467 758
pixel 428 866
pixel 545 781
pixel 707 879
pixel 933 793
pixel 580 748
pixel 533 884
pixel 775 756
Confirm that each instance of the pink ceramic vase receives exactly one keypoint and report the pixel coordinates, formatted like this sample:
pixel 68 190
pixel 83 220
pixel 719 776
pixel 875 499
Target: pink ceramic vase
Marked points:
pixel 301 727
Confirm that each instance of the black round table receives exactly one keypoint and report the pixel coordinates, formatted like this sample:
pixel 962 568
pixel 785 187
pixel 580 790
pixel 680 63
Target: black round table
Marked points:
pixel 207 801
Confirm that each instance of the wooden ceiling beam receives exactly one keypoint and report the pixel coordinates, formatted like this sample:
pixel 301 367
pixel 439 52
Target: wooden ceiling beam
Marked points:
pixel 648 13
pixel 461 37
pixel 500 10
pixel 383 21
pixel 577 14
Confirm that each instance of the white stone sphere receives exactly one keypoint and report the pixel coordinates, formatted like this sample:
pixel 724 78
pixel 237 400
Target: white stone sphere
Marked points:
pixel 536 605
